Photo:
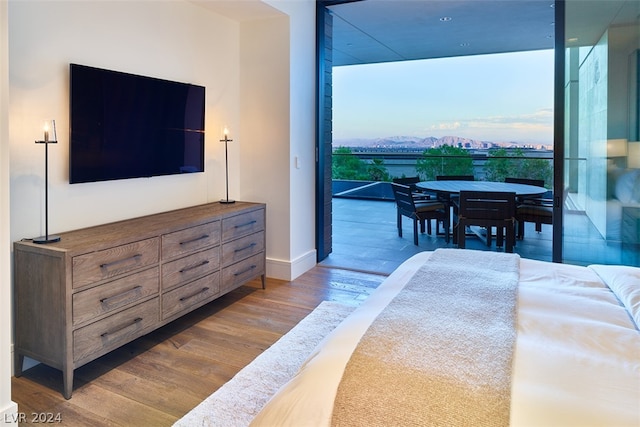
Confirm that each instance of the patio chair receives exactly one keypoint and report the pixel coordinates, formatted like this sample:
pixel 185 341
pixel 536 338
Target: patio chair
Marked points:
pixel 487 209
pixel 526 181
pixel 419 211
pixel 452 199
pixel 411 181
pixel 536 209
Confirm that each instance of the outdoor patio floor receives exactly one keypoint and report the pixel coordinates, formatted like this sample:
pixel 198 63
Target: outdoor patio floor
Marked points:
pixel 365 238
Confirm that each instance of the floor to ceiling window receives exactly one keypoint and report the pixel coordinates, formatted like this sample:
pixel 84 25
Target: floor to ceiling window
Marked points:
pixel 602 148
pixel 597 184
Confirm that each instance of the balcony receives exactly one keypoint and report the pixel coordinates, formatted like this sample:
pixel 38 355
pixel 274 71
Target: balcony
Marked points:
pixel 365 238
pixel 364 215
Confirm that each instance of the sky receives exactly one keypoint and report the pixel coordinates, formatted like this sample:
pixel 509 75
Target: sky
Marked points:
pixel 498 97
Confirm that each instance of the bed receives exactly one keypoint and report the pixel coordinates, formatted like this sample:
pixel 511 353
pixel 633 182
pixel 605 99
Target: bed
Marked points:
pixel 562 349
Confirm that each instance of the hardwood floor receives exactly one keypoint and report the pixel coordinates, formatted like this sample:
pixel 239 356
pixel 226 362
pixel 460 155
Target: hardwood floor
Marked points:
pixel 158 378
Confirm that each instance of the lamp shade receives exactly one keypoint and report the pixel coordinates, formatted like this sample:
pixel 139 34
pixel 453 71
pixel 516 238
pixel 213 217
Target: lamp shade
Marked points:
pixel 633 156
pixel 616 148
pixel 49 131
pixel 226 135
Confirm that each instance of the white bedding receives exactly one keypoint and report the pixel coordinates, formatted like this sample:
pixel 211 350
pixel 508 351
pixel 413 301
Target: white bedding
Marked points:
pixel 576 362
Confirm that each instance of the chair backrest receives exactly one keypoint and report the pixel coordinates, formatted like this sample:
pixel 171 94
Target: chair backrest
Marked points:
pixel 487 205
pixel 546 198
pixel 455 178
pixel 404 198
pixel 410 181
pixel 407 180
pixel 527 181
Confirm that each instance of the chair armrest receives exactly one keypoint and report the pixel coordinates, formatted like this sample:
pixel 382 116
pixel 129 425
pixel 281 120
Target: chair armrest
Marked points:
pixel 545 199
pixel 538 202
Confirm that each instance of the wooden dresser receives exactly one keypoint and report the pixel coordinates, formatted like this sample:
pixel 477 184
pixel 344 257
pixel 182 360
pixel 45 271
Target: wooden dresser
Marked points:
pixel 101 287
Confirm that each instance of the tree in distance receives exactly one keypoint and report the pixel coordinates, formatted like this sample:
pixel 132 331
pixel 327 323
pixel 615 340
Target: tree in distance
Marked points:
pixel 444 160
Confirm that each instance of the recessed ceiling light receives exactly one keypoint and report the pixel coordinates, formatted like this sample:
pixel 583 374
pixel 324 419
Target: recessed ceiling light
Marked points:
pixel 445 19
pixel 572 40
pixel 465 44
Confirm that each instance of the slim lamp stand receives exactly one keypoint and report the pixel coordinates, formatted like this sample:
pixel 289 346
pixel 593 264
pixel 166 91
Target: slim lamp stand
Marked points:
pixel 46 238
pixel 226 167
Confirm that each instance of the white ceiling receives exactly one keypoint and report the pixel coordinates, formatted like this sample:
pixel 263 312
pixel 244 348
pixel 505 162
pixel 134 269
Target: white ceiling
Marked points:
pixel 371 31
pixel 240 10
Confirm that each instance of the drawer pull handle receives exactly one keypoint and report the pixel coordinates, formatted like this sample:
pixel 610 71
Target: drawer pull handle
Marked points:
pixel 135 258
pixel 201 291
pixel 134 323
pixel 246 224
pixel 191 267
pixel 120 295
pixel 239 273
pixel 245 248
pixel 186 242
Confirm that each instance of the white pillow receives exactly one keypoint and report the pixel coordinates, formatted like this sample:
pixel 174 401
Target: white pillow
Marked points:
pixel 624 281
pixel 628 187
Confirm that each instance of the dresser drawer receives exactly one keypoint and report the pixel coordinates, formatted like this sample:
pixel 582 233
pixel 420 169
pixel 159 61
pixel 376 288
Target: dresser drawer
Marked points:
pixel 242 225
pixel 190 267
pixel 190 240
pixel 94 302
pixel 108 263
pixel 241 272
pixel 114 331
pixel 242 248
pixel 187 297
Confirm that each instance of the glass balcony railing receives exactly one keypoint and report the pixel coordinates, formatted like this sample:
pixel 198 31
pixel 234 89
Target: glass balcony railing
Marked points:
pixel 363 174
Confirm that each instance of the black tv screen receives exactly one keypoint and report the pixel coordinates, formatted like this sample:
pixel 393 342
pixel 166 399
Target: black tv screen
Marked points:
pixel 128 126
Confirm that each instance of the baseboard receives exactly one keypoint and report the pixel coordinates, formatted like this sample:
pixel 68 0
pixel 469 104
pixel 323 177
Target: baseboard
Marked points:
pixel 9 414
pixel 289 270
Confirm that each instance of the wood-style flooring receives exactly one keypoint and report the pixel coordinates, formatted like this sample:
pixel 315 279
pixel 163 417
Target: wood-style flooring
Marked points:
pixel 158 378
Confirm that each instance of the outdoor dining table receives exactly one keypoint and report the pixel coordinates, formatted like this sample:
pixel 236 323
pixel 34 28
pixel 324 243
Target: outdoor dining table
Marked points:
pixel 446 188
pixel 455 187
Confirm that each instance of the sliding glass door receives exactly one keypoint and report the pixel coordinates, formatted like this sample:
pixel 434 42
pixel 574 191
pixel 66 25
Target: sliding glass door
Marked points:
pixel 601 156
pixel 597 135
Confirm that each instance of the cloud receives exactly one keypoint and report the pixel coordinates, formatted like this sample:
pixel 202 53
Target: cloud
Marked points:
pixel 538 120
pixel 447 126
pixel 540 117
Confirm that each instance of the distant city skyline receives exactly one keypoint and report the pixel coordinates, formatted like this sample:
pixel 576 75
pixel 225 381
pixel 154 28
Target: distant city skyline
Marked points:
pixel 498 97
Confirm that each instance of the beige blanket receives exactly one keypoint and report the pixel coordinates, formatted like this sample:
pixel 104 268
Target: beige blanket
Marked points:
pixel 441 353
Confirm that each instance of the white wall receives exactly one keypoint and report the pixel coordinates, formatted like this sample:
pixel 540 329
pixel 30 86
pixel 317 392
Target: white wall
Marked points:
pixel 299 159
pixel 265 123
pixel 173 40
pixel 302 128
pixel 8 408
pixel 277 113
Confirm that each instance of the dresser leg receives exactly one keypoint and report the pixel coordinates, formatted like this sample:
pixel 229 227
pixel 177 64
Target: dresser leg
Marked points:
pixel 68 383
pixel 18 362
pixel 264 286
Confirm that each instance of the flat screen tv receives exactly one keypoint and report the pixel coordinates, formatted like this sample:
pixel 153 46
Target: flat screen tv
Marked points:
pixel 129 126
